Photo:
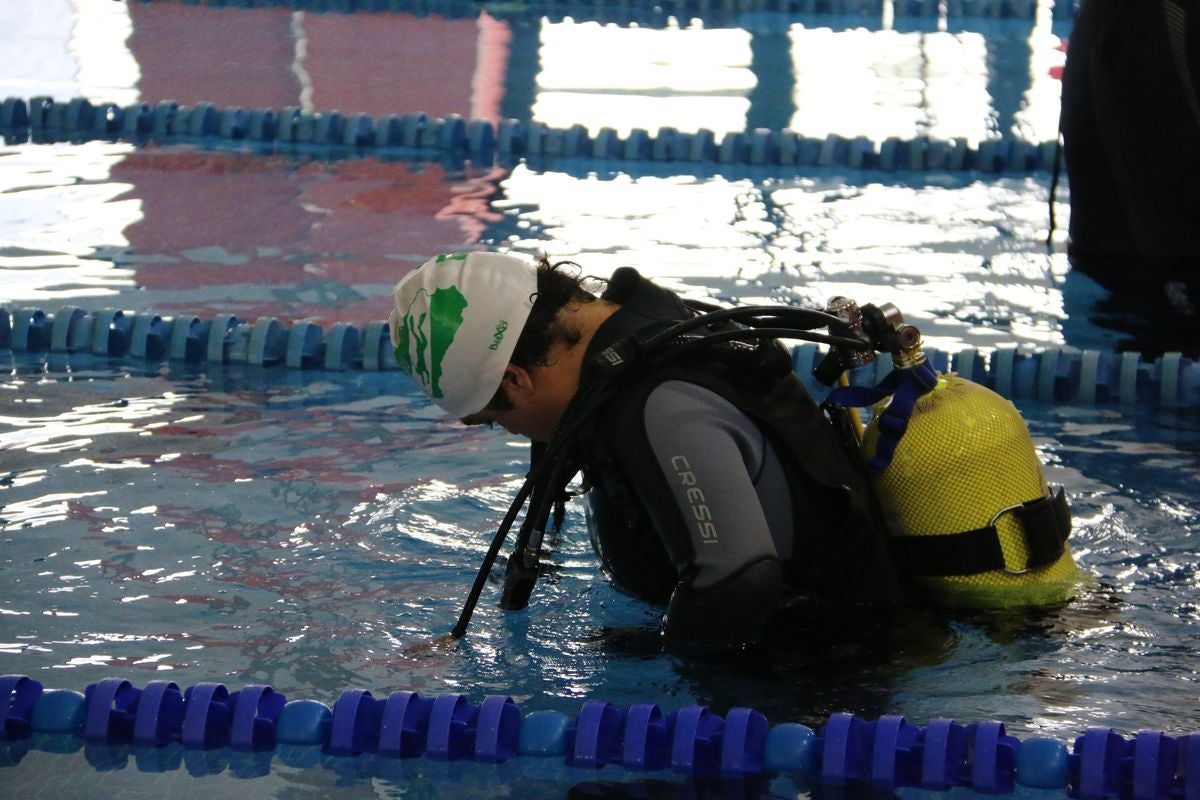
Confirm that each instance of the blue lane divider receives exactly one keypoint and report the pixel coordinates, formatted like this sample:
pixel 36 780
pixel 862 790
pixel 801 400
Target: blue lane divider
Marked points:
pixel 886 753
pixel 1062 376
pixel 650 11
pixel 206 719
pixel 44 119
pixel 111 705
pixel 159 714
pixel 20 694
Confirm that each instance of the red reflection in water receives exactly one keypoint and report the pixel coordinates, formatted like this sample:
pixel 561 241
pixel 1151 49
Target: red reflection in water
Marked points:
pixel 237 57
pixel 270 235
pixel 291 238
pixel 377 63
pixel 1056 72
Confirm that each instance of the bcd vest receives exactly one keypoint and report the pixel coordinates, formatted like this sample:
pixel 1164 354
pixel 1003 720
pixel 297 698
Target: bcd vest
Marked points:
pixel 839 540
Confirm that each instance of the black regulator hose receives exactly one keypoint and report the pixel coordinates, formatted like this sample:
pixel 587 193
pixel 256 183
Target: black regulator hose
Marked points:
pixel 542 475
pixel 805 320
pixel 489 559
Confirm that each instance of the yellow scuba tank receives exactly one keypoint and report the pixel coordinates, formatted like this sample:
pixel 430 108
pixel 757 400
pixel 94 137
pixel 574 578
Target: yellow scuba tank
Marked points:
pixel 971 519
pixel 966 462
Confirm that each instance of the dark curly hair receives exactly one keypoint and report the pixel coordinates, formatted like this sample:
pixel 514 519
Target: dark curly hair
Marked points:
pixel 557 289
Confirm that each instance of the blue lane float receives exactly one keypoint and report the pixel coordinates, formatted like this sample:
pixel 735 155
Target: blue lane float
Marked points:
pixel 44 119
pixel 656 11
pixel 1061 376
pixel 887 753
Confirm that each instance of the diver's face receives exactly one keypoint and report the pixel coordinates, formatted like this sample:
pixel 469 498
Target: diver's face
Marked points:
pixel 515 420
pixel 537 399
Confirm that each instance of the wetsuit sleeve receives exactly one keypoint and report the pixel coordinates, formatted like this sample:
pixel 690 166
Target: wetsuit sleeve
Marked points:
pixel 696 472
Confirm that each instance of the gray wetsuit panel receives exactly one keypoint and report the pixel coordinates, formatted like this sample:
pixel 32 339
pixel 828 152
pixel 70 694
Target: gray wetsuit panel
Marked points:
pixel 725 476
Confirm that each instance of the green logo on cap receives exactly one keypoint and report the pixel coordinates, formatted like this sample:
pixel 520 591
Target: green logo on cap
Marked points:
pixel 431 329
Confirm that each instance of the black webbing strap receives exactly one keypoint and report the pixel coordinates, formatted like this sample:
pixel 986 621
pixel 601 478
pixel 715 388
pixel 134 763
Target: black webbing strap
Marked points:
pixel 1045 521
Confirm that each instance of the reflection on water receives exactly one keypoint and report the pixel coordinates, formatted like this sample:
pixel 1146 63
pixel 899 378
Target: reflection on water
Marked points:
pixel 859 75
pixel 209 232
pixel 180 230
pixel 62 216
pixel 960 257
pixel 299 236
pixel 319 533
pixel 907 84
pixel 687 79
pixel 68 48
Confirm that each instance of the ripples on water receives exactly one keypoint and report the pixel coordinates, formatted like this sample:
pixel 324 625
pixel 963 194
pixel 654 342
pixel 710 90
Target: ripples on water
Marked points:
pixel 317 531
pixel 960 257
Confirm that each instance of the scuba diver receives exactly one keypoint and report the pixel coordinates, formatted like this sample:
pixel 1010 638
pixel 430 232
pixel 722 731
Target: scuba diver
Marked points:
pixel 716 486
pixel 1131 138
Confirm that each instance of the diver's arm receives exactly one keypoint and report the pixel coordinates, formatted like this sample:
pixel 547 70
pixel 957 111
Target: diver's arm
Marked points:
pixel 701 497
pixel 727 615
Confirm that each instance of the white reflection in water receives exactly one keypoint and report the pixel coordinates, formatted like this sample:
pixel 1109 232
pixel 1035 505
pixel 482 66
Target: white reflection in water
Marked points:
pixel 962 260
pixel 1037 120
pixel 686 78
pixel 80 424
pixel 68 48
pixel 877 83
pixel 58 208
pixel 890 84
pixel 857 82
pixel 54 507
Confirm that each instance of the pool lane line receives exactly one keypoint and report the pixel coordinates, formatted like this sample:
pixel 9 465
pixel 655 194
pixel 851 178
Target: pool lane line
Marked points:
pixel 1062 376
pixel 659 13
pixel 886 753
pixel 45 120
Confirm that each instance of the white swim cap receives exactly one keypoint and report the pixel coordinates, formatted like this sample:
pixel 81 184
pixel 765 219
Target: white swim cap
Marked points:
pixel 456 323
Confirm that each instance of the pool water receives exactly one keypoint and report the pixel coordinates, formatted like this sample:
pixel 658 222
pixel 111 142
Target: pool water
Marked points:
pixel 319 530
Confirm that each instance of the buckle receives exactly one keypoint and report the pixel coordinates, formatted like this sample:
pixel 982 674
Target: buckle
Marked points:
pixel 996 518
pixel 1048 519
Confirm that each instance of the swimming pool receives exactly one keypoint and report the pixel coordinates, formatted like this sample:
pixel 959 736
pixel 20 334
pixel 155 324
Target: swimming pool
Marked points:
pixel 313 529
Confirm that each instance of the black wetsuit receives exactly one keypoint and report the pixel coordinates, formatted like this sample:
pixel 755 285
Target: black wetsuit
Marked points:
pixel 719 486
pixel 1131 131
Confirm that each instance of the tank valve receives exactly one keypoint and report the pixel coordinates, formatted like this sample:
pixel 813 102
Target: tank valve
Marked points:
pixel 908 352
pixel 842 358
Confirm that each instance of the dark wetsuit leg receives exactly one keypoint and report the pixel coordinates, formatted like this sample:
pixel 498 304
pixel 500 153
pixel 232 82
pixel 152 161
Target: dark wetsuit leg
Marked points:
pixel 1131 128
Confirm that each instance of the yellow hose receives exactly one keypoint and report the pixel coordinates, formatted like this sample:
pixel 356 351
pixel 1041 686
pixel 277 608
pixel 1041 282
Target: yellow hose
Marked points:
pixel 854 415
